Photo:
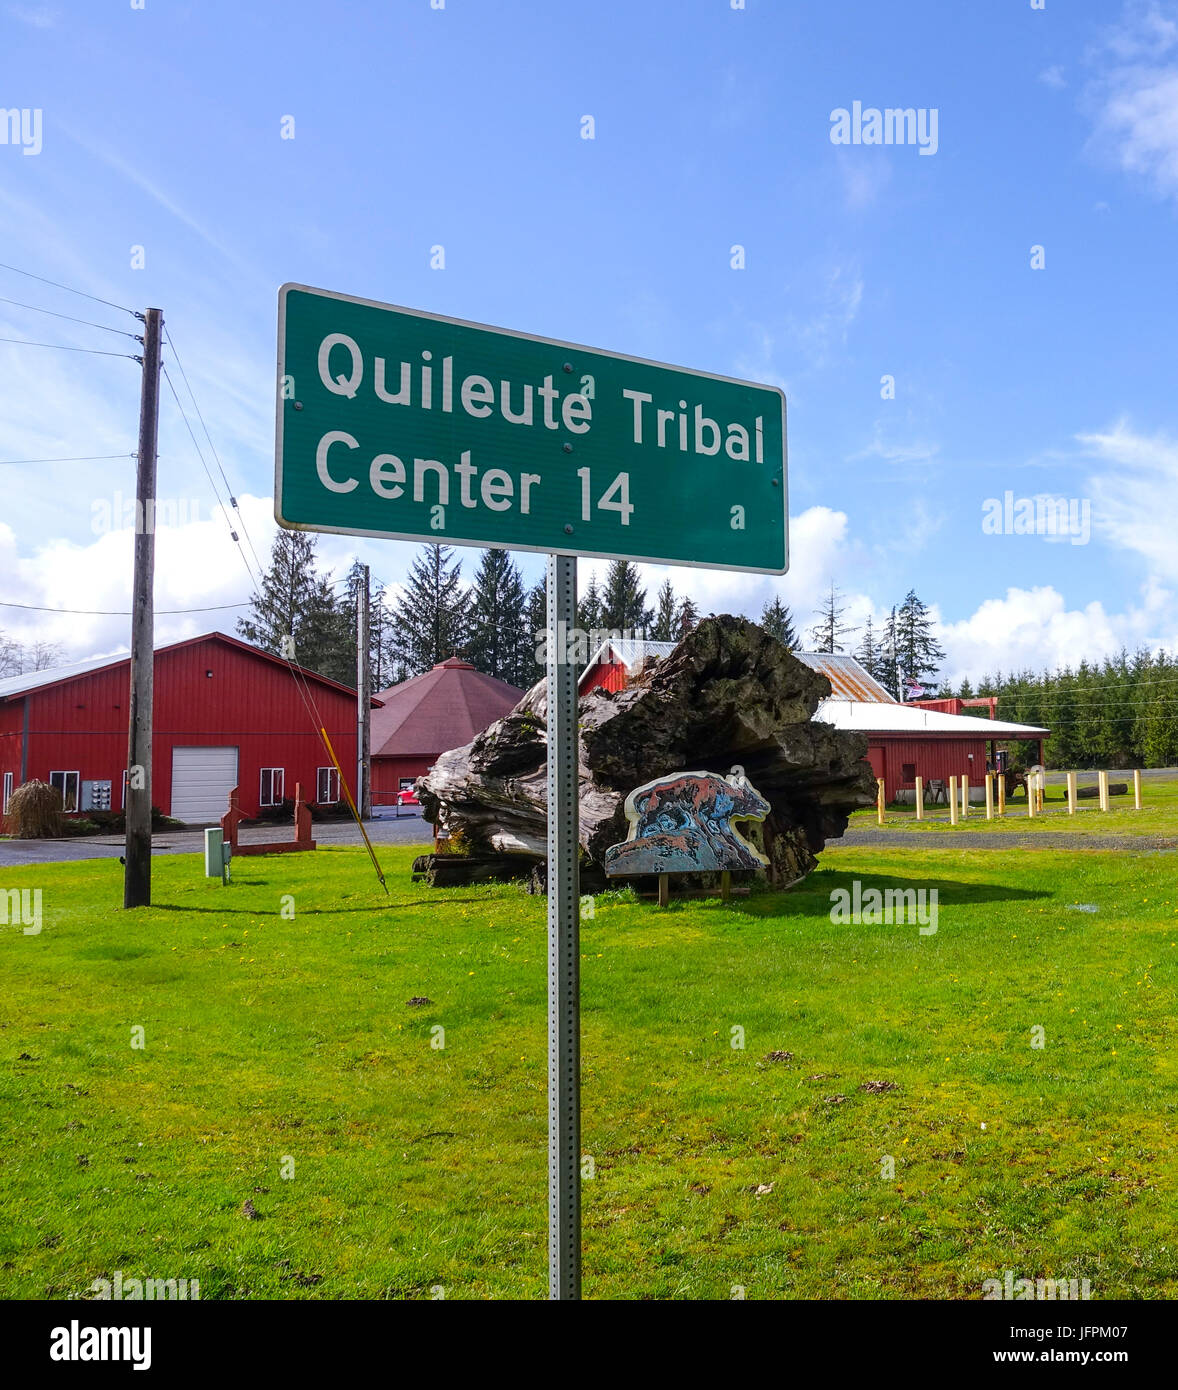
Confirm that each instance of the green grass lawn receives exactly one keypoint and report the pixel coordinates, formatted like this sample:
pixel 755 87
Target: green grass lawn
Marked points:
pixel 269 1039
pixel 1158 814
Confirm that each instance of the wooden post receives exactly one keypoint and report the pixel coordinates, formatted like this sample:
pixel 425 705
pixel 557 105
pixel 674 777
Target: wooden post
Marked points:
pixel 1071 793
pixel 1102 779
pixel 952 800
pixel 920 798
pixel 989 797
pixel 726 886
pixel 879 800
pixel 1002 793
pixel 137 852
pixel 964 798
pixel 1137 789
pixel 664 889
pixel 1030 796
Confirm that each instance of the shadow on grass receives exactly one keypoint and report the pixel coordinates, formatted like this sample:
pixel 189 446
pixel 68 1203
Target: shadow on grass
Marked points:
pixel 812 897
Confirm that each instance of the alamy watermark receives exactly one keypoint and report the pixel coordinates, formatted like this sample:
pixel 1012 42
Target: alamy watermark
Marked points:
pixel 888 907
pixel 1059 518
pixel 1008 1287
pixel 894 125
pixel 21 907
pixel 575 646
pixel 21 126
pixel 120 512
pixel 145 1289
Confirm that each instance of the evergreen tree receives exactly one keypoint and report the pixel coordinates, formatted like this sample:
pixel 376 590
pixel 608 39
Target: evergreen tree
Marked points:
pixel 918 652
pixel 830 631
pixel 431 618
pixel 886 661
pixel 500 643
pixel 666 616
pixel 589 608
pixel 537 623
pixel 687 618
pixel 867 652
pixel 623 602
pixel 778 621
pixel 297 615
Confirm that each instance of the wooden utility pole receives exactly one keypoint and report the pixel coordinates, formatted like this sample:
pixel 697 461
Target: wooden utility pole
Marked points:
pixel 363 698
pixel 137 856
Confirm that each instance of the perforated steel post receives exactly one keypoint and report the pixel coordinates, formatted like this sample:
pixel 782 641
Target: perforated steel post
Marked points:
pixel 564 950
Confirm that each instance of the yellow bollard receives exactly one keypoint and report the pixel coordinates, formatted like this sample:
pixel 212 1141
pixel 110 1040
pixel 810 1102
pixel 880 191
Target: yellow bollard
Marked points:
pixel 1030 795
pixel 952 800
pixel 1001 793
pixel 1137 789
pixel 920 798
pixel 964 798
pixel 1102 779
pixel 1071 793
pixel 989 797
pixel 879 800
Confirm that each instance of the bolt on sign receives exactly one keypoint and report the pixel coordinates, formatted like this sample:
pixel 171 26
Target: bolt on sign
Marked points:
pixel 396 423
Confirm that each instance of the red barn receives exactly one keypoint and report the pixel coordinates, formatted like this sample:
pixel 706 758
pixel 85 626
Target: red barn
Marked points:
pixel 442 708
pixel 226 714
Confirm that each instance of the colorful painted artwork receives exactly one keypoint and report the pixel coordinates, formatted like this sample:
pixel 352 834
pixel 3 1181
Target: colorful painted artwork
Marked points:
pixel 683 824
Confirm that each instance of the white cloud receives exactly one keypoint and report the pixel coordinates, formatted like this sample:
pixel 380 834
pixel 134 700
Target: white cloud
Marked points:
pixel 1053 77
pixel 1034 629
pixel 1135 495
pixel 197 566
pixel 1135 95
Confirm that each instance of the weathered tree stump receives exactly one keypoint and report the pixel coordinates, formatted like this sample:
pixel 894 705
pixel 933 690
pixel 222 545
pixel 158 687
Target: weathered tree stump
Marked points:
pixel 729 694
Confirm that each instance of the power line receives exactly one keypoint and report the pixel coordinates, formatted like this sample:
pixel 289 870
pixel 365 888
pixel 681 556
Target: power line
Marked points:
pixel 36 308
pixel 204 465
pixel 213 448
pixel 122 612
pixel 63 347
pixel 81 458
pixel 58 286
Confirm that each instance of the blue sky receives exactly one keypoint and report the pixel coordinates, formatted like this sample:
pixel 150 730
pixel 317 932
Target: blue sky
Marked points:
pixel 461 127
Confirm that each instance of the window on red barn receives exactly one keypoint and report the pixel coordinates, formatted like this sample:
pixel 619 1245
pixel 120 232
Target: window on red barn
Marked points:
pixel 273 785
pixel 67 784
pixel 327 786
pixel 908 772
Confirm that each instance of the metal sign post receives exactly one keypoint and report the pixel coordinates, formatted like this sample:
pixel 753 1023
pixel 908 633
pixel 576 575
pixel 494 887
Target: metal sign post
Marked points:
pixel 564 946
pixel 397 423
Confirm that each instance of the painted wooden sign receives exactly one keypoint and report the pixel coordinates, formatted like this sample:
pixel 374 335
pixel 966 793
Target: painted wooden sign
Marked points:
pixel 683 824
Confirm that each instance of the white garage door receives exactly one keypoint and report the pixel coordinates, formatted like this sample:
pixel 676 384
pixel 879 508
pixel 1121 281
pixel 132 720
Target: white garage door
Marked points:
pixel 202 779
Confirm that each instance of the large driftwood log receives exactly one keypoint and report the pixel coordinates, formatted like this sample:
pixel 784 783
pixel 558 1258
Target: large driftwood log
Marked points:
pixel 728 694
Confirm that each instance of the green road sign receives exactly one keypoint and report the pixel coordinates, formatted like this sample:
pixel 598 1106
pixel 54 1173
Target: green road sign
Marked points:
pixel 396 423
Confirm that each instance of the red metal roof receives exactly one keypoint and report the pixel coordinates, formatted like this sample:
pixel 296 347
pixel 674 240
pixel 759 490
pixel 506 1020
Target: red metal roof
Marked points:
pixel 442 708
pixel 15 686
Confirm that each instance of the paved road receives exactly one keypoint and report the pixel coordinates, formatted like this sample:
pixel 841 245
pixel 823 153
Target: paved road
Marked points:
pixel 407 829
